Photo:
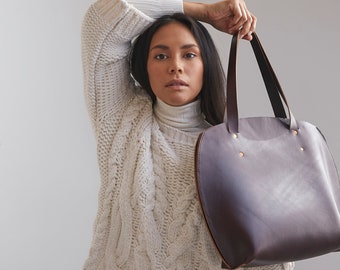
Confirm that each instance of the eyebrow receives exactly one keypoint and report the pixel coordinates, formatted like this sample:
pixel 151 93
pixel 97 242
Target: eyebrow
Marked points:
pixel 164 47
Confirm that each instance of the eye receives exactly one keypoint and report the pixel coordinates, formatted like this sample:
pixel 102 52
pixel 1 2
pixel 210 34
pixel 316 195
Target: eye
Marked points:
pixel 161 56
pixel 190 55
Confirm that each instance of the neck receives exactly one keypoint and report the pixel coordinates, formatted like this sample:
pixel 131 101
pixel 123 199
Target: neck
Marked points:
pixel 186 118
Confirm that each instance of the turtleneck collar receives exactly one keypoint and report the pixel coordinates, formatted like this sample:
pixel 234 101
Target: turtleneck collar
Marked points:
pixel 186 118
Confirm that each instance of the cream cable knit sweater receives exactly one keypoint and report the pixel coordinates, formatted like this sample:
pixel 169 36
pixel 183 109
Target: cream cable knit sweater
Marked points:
pixel 148 211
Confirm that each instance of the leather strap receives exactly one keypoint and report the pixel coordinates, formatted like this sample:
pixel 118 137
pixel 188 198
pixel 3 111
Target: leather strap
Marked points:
pixel 274 90
pixel 269 78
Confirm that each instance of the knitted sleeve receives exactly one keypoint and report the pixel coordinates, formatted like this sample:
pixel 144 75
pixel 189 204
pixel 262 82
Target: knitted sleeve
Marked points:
pixel 107 30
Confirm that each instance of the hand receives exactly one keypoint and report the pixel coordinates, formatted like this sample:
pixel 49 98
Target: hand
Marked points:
pixel 228 16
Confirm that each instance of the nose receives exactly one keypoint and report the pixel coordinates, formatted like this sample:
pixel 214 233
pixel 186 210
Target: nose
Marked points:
pixel 175 67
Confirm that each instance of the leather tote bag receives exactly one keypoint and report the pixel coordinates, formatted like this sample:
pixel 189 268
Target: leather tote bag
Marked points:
pixel 268 186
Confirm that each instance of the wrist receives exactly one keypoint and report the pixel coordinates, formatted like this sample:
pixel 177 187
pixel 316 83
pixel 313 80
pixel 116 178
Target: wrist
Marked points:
pixel 196 10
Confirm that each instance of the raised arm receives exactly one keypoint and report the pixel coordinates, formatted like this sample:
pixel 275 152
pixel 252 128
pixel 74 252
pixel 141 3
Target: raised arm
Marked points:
pixel 107 30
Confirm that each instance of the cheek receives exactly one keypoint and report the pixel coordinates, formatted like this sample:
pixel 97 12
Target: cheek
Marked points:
pixel 197 74
pixel 153 72
pixel 154 75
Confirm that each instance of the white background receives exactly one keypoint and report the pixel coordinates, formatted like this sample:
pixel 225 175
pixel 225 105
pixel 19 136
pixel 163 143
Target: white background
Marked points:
pixel 48 169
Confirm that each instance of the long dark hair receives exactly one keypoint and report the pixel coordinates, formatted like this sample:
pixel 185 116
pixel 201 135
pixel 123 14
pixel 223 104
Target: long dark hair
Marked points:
pixel 212 95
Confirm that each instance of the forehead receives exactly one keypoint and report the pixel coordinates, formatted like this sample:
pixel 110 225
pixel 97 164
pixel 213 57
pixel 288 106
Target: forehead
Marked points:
pixel 174 33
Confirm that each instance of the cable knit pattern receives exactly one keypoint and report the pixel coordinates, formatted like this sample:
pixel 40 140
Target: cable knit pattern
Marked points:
pixel 148 211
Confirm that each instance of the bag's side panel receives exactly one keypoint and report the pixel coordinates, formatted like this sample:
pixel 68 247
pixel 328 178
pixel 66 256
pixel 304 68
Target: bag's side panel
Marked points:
pixel 268 200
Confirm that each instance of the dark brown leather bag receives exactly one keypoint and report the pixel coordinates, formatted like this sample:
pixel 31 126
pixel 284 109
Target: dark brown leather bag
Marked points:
pixel 268 186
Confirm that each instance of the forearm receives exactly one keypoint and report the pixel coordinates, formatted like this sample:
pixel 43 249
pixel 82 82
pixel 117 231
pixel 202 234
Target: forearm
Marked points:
pixel 196 10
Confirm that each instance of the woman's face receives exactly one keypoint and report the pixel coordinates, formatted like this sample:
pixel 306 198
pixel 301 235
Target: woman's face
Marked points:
pixel 175 65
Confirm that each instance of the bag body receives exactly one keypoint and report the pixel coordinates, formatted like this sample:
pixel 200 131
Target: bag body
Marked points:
pixel 268 186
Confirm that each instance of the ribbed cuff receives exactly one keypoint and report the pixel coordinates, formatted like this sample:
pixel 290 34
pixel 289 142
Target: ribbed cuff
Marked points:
pixel 157 8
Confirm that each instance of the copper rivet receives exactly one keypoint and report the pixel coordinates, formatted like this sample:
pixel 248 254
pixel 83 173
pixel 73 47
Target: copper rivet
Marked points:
pixel 295 132
pixel 241 154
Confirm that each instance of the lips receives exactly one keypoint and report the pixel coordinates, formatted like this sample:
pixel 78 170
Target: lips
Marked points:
pixel 176 83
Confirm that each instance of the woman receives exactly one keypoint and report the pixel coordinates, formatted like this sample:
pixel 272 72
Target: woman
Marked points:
pixel 146 129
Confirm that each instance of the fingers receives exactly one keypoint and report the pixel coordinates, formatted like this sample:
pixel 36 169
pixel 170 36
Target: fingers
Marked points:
pixel 239 18
pixel 252 27
pixel 244 21
pixel 230 16
pixel 248 27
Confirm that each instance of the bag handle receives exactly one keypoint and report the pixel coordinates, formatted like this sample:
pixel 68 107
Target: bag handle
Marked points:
pixel 274 90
